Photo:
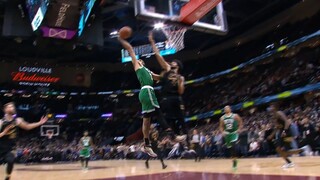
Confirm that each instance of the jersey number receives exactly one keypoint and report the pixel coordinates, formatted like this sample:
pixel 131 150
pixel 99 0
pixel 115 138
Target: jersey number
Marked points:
pixel 229 126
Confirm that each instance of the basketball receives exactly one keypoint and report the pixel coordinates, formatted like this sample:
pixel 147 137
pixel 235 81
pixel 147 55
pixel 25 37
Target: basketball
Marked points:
pixel 125 32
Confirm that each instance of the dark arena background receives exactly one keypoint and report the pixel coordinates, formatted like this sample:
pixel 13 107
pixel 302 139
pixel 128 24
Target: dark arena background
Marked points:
pixel 62 62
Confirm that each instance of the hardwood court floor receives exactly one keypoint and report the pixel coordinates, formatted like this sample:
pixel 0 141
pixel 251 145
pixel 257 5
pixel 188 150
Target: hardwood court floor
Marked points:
pixel 220 169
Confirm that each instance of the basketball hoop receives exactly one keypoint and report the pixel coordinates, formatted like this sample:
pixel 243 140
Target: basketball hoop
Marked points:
pixel 49 131
pixel 175 36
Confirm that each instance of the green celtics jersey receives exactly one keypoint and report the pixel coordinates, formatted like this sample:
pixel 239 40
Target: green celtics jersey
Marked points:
pixel 85 141
pixel 144 76
pixel 230 124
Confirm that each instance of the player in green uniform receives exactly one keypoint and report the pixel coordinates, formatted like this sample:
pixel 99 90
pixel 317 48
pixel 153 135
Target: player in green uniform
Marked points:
pixel 85 143
pixel 230 126
pixel 148 99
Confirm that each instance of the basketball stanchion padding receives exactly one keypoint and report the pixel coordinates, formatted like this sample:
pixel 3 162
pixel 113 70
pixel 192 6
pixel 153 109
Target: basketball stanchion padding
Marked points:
pixel 196 9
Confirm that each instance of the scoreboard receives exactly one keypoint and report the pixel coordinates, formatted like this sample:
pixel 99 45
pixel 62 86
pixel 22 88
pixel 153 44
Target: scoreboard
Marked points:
pixel 60 19
pixel 84 15
pixel 37 10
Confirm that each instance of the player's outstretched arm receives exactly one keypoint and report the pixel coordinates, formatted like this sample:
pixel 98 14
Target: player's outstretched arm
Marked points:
pixel 159 58
pixel 28 126
pixel 132 54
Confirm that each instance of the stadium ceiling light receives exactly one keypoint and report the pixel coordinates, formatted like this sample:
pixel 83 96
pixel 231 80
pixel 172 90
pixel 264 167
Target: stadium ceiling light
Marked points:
pixel 113 33
pixel 129 94
pixel 158 25
pixel 61 97
pixel 113 95
pixel 26 95
pixel 44 96
pixel 89 47
pixel 106 115
pixel 8 94
pixel 61 116
pixel 18 40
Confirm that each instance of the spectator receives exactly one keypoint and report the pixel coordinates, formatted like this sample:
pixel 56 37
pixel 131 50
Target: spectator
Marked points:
pixel 254 148
pixel 308 134
pixel 195 141
pixel 208 147
pixel 218 142
pixel 243 142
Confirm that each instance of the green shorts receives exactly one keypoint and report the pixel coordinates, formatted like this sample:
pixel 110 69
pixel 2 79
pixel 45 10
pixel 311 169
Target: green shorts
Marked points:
pixel 85 152
pixel 148 100
pixel 231 138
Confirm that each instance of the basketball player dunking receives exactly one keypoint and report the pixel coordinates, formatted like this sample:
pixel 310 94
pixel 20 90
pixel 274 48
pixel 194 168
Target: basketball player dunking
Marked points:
pixel 172 90
pixel 147 98
pixel 282 135
pixel 230 127
pixel 85 144
pixel 8 133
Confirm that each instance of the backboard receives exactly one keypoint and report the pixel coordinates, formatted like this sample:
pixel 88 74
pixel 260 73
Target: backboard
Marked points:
pixel 47 130
pixel 201 15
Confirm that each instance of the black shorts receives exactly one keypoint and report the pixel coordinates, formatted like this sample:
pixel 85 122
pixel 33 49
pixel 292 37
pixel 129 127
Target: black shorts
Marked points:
pixel 173 107
pixel 4 155
pixel 284 141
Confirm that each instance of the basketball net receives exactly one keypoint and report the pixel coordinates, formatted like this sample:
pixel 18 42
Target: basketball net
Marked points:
pixel 175 36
